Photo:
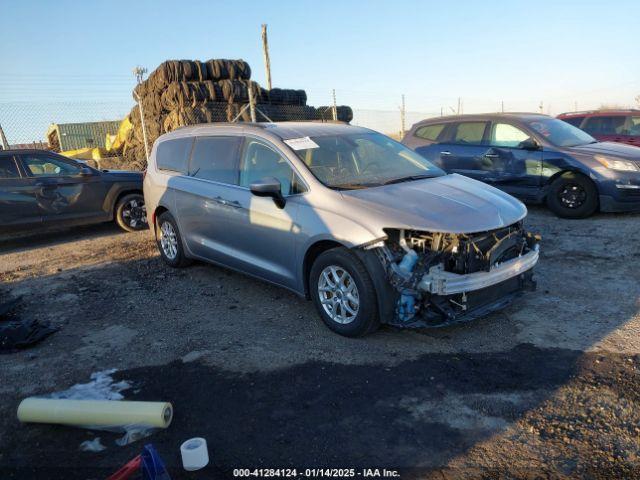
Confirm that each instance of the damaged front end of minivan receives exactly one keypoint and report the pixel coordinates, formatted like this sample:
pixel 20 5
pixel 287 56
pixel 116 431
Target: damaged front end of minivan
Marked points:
pixel 436 279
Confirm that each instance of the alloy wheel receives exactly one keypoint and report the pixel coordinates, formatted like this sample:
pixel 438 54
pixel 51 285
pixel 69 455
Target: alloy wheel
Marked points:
pixel 338 294
pixel 168 240
pixel 572 195
pixel 134 214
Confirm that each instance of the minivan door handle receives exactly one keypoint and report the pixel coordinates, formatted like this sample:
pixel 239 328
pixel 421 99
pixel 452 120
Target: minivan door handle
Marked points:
pixel 446 152
pixel 228 203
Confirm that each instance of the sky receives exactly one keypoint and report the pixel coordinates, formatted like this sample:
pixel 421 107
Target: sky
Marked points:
pixel 487 53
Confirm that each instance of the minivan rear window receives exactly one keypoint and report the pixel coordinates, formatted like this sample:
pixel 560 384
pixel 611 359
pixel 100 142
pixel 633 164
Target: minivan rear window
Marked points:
pixel 172 155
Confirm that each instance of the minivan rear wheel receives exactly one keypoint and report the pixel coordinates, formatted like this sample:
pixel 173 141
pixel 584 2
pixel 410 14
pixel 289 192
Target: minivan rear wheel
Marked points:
pixel 572 195
pixel 170 242
pixel 343 293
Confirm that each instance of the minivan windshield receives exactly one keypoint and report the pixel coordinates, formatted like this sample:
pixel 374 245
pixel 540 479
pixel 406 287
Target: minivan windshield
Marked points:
pixel 559 133
pixel 361 160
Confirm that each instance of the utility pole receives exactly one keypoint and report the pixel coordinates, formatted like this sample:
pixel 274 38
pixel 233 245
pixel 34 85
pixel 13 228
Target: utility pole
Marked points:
pixel 402 118
pixel 541 107
pixel 502 105
pixel 575 106
pixel 334 108
pixel 442 111
pixel 4 145
pixel 139 73
pixel 265 50
pixel 458 105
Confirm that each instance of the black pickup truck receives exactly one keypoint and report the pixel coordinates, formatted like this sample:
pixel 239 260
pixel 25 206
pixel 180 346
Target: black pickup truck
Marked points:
pixel 39 189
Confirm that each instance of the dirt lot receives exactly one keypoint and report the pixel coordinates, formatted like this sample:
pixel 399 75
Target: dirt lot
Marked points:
pixel 549 388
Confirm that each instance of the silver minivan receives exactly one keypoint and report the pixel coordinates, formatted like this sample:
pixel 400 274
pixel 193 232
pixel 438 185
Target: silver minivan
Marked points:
pixel 366 228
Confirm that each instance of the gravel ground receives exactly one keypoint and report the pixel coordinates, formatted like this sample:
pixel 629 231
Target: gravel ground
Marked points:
pixel 549 388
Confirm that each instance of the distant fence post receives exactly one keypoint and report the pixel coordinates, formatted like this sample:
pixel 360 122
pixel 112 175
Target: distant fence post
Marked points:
pixel 334 107
pixel 402 118
pixel 252 107
pixel 4 145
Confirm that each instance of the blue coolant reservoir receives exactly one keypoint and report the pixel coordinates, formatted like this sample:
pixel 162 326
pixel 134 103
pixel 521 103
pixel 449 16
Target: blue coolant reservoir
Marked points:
pixel 408 261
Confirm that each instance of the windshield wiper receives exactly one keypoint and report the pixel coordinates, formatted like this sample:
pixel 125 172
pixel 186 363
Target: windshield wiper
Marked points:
pixel 409 178
pixel 354 186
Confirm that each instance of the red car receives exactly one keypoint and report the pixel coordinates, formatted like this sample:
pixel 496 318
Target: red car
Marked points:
pixel 608 125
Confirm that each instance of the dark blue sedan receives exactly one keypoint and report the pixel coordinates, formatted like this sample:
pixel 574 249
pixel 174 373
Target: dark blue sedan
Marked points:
pixel 39 189
pixel 536 158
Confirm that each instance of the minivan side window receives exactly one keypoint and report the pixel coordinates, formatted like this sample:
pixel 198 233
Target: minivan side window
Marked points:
pixel 260 161
pixel 634 126
pixel 216 159
pixel 172 155
pixel 470 133
pixel 506 135
pixel 430 132
pixel 612 125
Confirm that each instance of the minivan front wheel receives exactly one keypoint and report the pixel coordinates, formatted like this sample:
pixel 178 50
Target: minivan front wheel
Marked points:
pixel 343 293
pixel 169 242
pixel 572 195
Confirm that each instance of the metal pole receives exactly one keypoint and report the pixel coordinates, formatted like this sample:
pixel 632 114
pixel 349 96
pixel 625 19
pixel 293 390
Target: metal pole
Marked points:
pixel 139 73
pixel 144 128
pixel 4 145
pixel 252 107
pixel 335 106
pixel 502 105
pixel 458 105
pixel 402 115
pixel 265 49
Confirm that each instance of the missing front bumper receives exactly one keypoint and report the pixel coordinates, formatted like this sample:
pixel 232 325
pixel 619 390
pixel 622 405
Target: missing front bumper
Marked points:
pixel 439 282
pixel 443 311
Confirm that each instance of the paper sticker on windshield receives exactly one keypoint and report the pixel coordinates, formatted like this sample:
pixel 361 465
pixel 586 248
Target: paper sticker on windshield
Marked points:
pixel 304 143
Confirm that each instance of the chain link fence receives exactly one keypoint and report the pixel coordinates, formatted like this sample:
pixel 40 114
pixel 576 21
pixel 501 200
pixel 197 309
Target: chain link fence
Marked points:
pixel 111 131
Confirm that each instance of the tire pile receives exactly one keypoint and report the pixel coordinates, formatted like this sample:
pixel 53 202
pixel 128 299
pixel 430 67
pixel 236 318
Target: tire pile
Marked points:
pixel 188 92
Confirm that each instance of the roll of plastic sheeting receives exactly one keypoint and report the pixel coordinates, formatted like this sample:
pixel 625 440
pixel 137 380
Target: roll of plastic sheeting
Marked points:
pixel 100 413
pixel 194 454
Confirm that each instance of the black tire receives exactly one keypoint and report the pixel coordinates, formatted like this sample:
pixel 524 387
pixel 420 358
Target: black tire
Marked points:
pixel 572 195
pixel 179 260
pixel 130 213
pixel 366 319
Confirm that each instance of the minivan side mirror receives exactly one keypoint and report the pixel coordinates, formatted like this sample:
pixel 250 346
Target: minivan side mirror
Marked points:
pixel 269 187
pixel 529 144
pixel 86 171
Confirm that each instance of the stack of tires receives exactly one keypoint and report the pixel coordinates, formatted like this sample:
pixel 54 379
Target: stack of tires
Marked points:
pixel 188 92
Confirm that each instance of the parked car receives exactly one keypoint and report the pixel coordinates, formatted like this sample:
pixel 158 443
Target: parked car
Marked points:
pixel 40 189
pixel 608 125
pixel 536 158
pixel 368 230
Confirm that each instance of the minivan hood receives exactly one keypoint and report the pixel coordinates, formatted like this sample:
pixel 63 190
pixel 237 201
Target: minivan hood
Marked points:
pixel 450 203
pixel 620 150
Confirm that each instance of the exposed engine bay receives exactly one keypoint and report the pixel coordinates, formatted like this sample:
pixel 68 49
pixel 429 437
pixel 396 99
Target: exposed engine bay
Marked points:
pixel 444 278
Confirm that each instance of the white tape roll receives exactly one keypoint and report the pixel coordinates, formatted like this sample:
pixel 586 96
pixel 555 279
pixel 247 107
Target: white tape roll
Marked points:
pixel 194 454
